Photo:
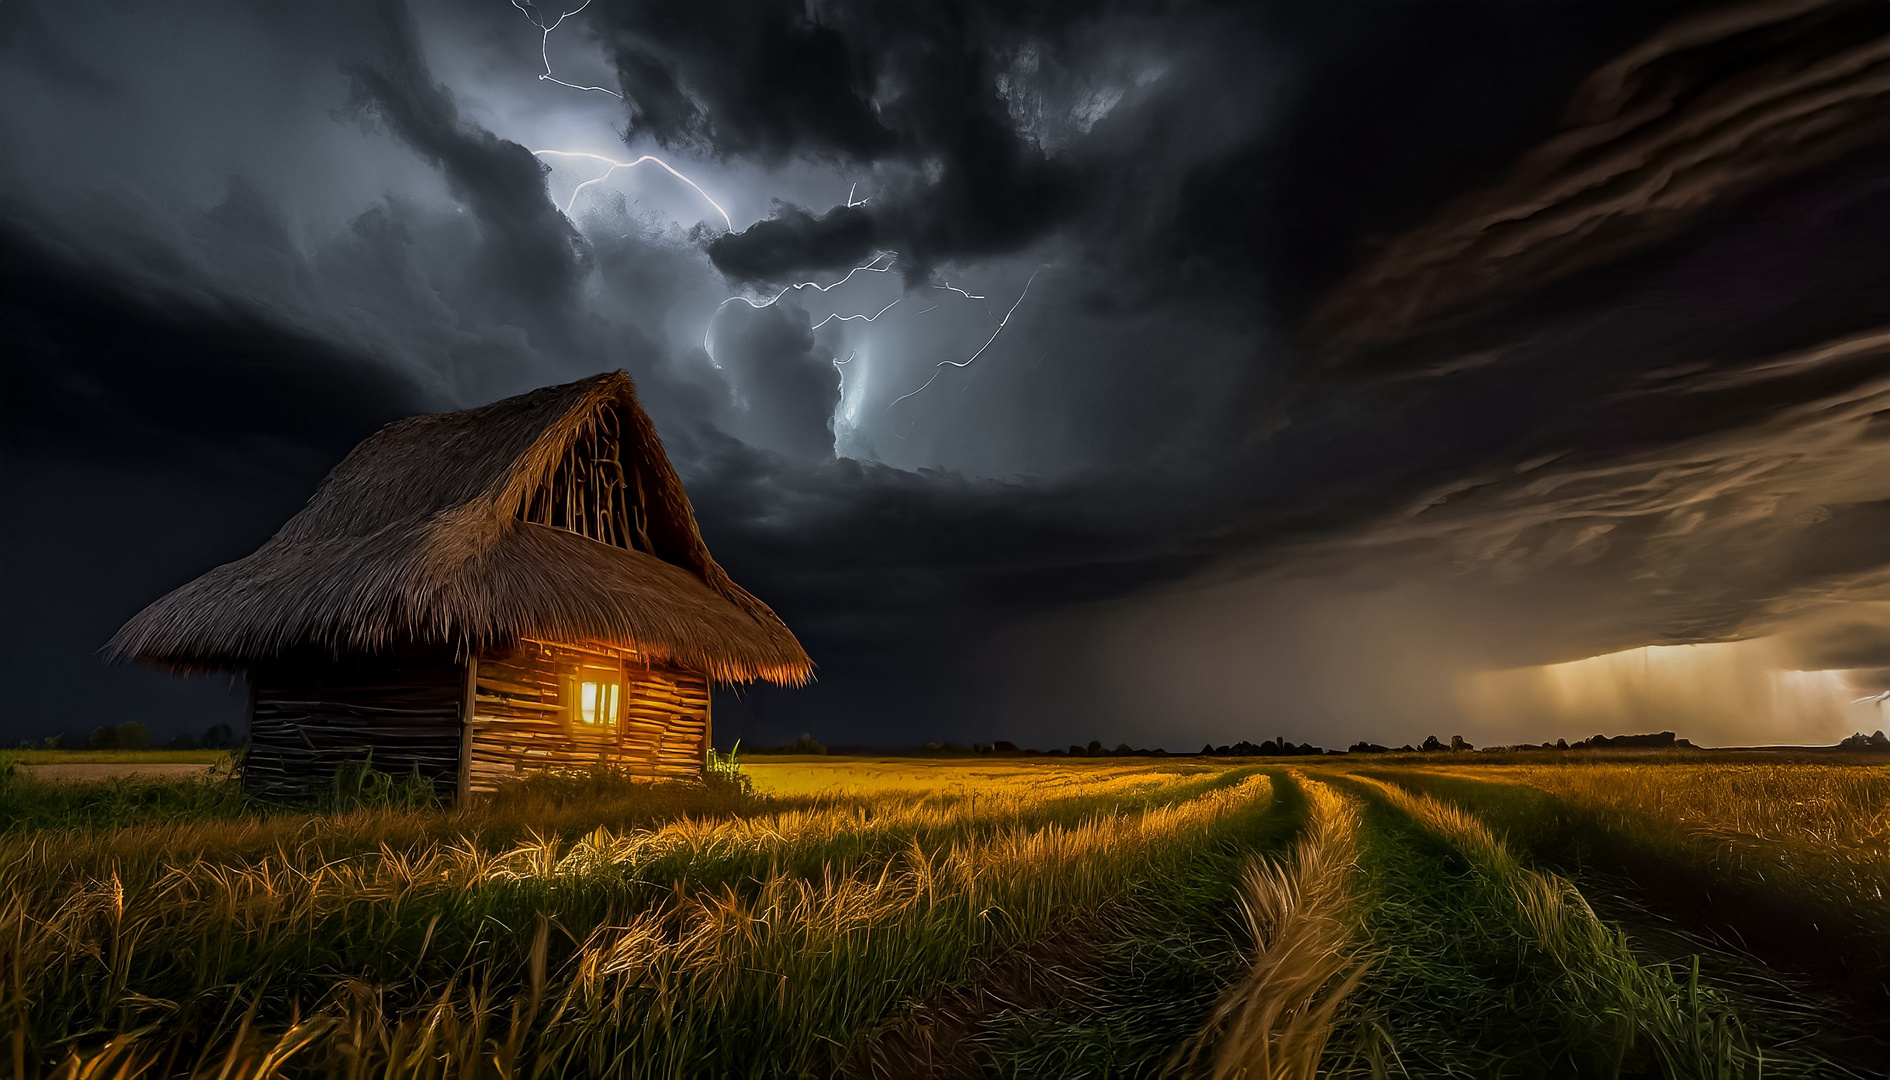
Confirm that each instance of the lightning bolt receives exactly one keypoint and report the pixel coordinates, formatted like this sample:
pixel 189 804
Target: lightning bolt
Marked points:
pixel 874 266
pixel 840 365
pixel 533 14
pixel 943 364
pixel 530 10
pixel 881 263
pixel 647 159
pixel 851 318
pixel 871 267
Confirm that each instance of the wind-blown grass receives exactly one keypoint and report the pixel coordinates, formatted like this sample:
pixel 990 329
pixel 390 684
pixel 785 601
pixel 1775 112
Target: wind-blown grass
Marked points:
pixel 1273 1024
pixel 1112 997
pixel 1802 971
pixel 28 803
pixel 696 929
pixel 1815 835
pixel 1019 919
pixel 1818 807
pixel 1485 966
pixel 1611 1005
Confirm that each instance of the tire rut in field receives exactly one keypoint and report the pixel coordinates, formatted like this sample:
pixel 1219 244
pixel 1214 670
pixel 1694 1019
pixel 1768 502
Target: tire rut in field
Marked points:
pixel 1676 933
pixel 1491 967
pixel 938 1040
pixel 1154 956
pixel 1303 920
pixel 1674 896
pixel 1849 968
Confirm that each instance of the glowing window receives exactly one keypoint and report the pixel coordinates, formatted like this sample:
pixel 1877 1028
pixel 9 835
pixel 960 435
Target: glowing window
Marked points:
pixel 593 698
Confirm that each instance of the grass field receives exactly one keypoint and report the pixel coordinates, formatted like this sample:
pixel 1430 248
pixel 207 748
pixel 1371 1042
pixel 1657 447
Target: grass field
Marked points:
pixel 113 757
pixel 1444 915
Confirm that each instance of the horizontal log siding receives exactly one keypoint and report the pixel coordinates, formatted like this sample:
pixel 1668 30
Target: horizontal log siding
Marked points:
pixel 519 722
pixel 306 722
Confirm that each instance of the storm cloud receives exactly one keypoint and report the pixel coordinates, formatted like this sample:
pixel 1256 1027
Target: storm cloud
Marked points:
pixel 915 91
pixel 1158 373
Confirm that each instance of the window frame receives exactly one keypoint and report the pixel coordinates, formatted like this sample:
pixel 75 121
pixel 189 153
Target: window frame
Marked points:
pixel 609 682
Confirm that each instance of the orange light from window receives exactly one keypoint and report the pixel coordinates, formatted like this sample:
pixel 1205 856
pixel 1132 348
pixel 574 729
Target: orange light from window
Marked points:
pixel 597 703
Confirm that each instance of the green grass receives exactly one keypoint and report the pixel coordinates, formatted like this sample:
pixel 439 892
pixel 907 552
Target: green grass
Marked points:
pixel 1031 918
pixel 1841 887
pixel 1835 873
pixel 1595 848
pixel 1153 973
pixel 30 804
pixel 1485 967
pixel 695 928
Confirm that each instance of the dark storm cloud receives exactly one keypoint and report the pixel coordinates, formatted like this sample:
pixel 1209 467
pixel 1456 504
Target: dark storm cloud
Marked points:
pixel 1694 415
pixel 1384 111
pixel 110 369
pixel 1391 110
pixel 851 528
pixel 1692 433
pixel 1858 637
pixel 25 38
pixel 1671 437
pixel 1664 431
pixel 1709 106
pixel 533 251
pixel 741 77
pixel 794 241
pixel 155 434
pixel 788 389
pixel 912 86
pixel 833 546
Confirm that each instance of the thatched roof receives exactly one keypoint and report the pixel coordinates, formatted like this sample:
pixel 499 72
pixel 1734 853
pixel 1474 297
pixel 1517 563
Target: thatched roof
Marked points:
pixel 415 539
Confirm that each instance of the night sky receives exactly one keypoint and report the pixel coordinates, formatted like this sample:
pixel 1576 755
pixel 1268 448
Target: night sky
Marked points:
pixel 1334 369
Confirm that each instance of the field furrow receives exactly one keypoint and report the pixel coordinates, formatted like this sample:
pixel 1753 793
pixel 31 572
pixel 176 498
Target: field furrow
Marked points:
pixel 1812 962
pixel 1302 920
pixel 885 919
pixel 1488 966
pixel 698 929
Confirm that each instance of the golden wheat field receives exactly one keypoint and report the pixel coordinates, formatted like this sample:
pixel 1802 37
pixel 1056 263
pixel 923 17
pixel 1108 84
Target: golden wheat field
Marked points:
pixel 1413 916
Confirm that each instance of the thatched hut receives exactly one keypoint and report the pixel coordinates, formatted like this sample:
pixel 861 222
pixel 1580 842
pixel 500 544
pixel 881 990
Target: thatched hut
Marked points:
pixel 476 595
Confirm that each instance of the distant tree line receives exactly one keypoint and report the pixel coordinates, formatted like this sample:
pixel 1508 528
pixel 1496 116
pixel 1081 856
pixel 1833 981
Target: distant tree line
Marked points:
pixel 1665 740
pixel 1280 747
pixel 806 744
pixel 1863 742
pixel 132 735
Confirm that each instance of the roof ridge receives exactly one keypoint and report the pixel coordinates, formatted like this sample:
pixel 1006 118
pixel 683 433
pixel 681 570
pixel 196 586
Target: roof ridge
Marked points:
pixel 413 536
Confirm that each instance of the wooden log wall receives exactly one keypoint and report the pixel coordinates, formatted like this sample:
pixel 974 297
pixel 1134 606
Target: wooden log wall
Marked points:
pixel 306 721
pixel 521 723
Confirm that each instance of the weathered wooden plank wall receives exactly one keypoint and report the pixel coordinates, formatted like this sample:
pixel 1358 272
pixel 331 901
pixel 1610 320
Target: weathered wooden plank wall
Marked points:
pixel 308 720
pixel 520 724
